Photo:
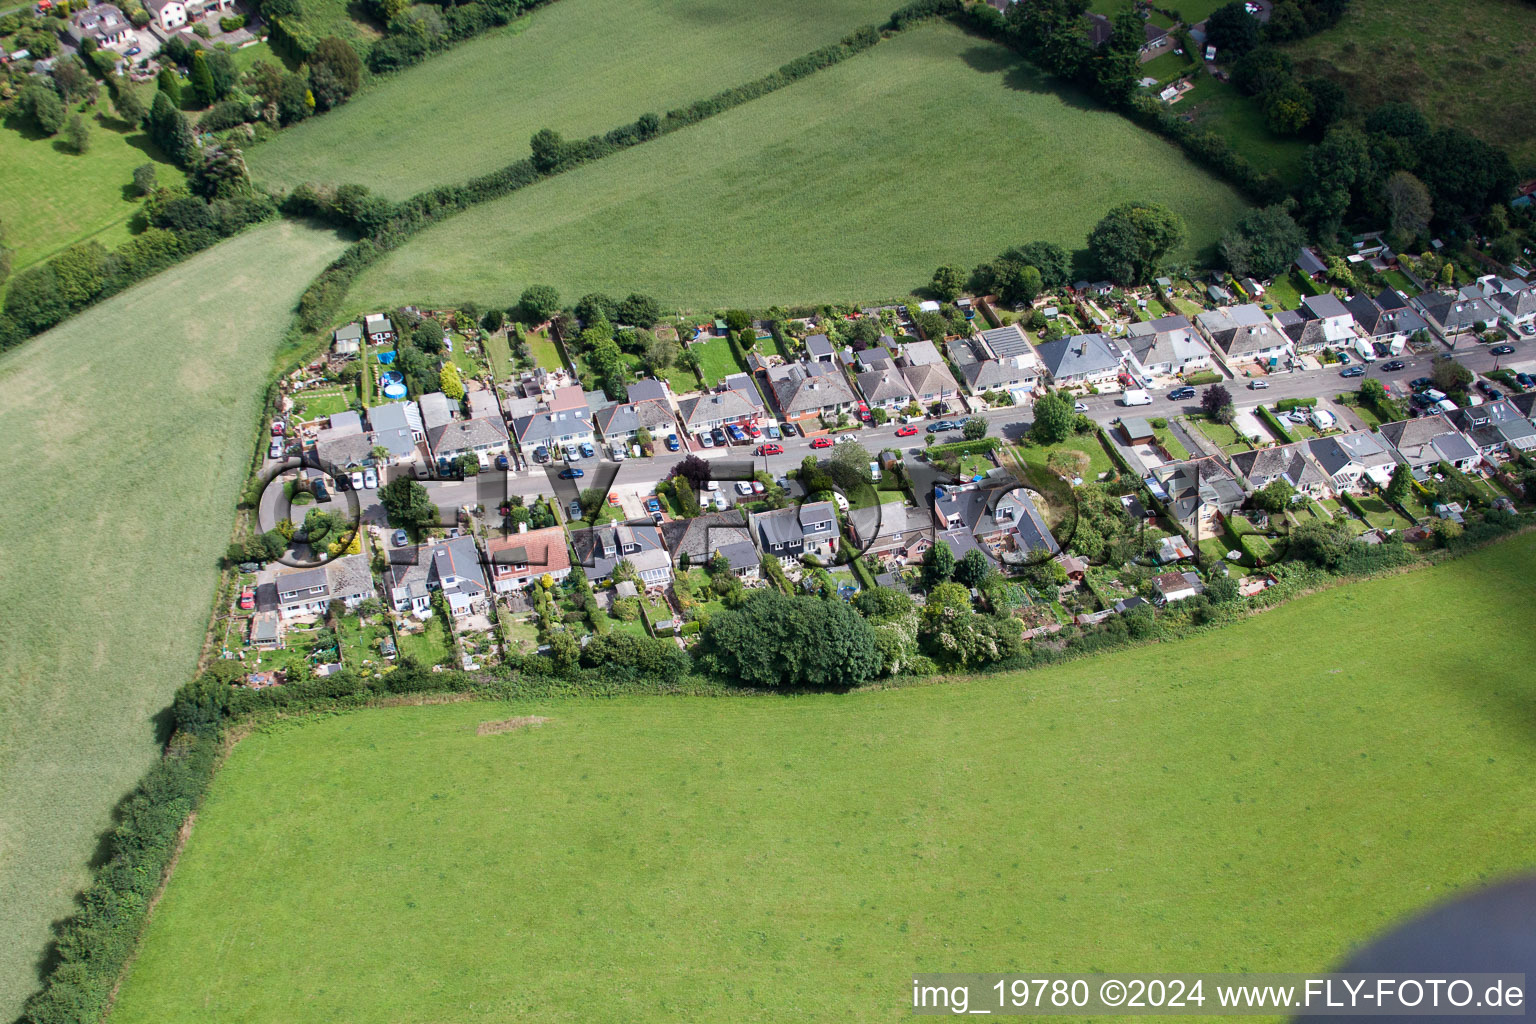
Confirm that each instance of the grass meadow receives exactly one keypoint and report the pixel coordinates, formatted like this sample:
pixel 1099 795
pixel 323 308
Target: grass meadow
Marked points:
pixel 127 435
pixel 1248 800
pixel 577 66
pixel 53 198
pixel 854 184
pixel 1469 63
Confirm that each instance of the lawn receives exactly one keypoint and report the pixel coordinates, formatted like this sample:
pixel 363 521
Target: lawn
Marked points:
pixel 1399 280
pixel 311 405
pixel 715 360
pixel 500 354
pixel 1165 68
pixel 1224 110
pixel 1225 436
pixel 473 109
pixel 360 644
pixel 1078 444
pixel 820 191
pixel 771 860
pixel 1381 514
pixel 544 351
pixel 430 646
pixel 54 198
pixel 1462 62
pixel 127 431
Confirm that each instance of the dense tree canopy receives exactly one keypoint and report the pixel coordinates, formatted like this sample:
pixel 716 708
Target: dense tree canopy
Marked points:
pixel 779 641
pixel 1054 420
pixel 1132 239
pixel 538 303
pixel 1232 30
pixel 1263 243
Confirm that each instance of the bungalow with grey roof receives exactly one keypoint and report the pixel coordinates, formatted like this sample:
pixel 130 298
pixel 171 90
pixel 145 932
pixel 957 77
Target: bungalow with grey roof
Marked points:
pixel 1456 313
pixel 565 420
pixel 885 388
pixel 1168 345
pixel 1350 459
pixel 1387 318
pixel 1288 462
pixel 1244 334
pixel 805 391
pixel 451 566
pixel 1000 359
pixel 104 23
pixel 892 530
pixel 1197 492
pixel 482 438
pixel 703 413
pixel 698 540
pixel 1088 360
pixel 1425 442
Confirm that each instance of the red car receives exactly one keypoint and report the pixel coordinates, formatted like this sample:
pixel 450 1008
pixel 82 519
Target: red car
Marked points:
pixel 821 442
pixel 754 431
pixel 907 431
pixel 247 599
pixel 769 449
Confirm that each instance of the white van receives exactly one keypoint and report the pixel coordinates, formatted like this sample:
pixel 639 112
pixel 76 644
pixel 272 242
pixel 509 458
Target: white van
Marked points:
pixel 1136 396
pixel 616 449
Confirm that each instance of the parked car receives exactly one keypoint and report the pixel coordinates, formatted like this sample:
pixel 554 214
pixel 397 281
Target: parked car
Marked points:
pixel 768 449
pixel 1352 371
pixel 790 430
pixel 743 487
pixel 541 454
pixel 1079 406
pixel 572 473
pixel 572 453
pixel 706 440
pixel 356 479
pixel 1493 393
pixel 943 425
pixel 247 599
pixel 653 504
pixel 1393 365
pixel 502 462
pixel 275 449
pixel 737 435
pixel 133 51
pixel 613 499
pixel 1420 383
pixel 370 478
pixel 320 491
pixel 821 442
pixel 1257 385
pixel 847 439
pixel 574 508
pixel 773 432
pixel 1525 380
pixel 908 431
pixel 673 444
pixel 1180 394
pixel 1503 350
pixel 587 451
pixel 400 539
pixel 757 487
pixel 721 441
pixel 753 430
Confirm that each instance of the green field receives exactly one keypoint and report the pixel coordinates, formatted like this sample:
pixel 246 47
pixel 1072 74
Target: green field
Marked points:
pixel 577 66
pixel 127 435
pixel 53 198
pixel 1227 112
pixel 1463 62
pixel 853 184
pixel 1233 802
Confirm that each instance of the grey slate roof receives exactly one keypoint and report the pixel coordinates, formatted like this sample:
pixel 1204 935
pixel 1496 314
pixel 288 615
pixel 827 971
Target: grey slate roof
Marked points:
pixel 1169 339
pixel 930 379
pixel 801 389
pixel 543 428
pixel 885 385
pixel 721 405
pixel 1082 355
pixel 703 536
pixel 1288 462
pixel 1338 451
pixel 467 435
pixel 436 410
pixel 788 525
pixel 1241 330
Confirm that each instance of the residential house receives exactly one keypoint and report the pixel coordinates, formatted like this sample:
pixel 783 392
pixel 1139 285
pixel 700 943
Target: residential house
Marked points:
pixel 1515 301
pixel 894 530
pixel 1176 586
pixel 885 388
pixel 1000 359
pixel 311 591
pixel 1100 29
pixel 819 349
pixel 436 410
pixel 791 533
pixel 1003 523
pixel 696 541
pixel 1310 264
pixel 1083 360
pixel 920 353
pixel 520 559
pixel 805 391
pixel 1496 427
pixel 1425 442
pixel 930 383
pixel 1325 322
pixel 1387 319
pixel 1156 37
pixel 1244 334
pixel 1455 313
pixel 396 427
pixel 703 413
pixel 170 15
pixel 1288 462
pixel 451 566
pixel 378 328
pixel 1350 460
pixel 1168 345
pixel 104 23
pixel 1197 492
pixel 601 549
pixel 565 419
pixel 646 410
pixel 877 358
pixel 348 340
pixel 743 385
pixel 265 633
pixel 483 438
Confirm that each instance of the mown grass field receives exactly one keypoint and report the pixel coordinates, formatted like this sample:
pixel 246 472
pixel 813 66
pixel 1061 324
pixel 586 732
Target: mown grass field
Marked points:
pixel 577 66
pixel 854 184
pixel 127 435
pixel 1235 802
pixel 53 198
pixel 1467 63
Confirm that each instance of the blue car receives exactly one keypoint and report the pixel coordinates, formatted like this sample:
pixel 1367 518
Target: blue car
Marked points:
pixel 399 539
pixel 943 425
pixel 587 451
pixel 572 474
pixel 672 443
pixel 1352 371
